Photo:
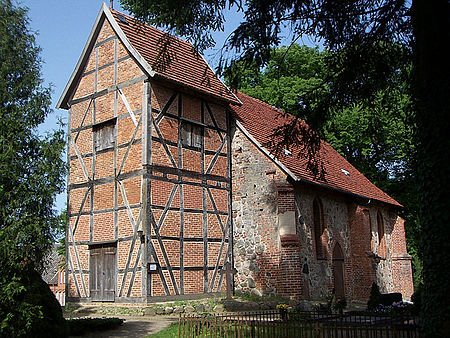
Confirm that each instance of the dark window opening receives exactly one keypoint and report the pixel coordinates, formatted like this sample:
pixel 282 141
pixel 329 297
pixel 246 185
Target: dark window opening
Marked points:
pixel 381 238
pixel 191 134
pixel 319 229
pixel 104 134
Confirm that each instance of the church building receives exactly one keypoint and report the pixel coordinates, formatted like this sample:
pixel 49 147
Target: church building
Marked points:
pixel 170 177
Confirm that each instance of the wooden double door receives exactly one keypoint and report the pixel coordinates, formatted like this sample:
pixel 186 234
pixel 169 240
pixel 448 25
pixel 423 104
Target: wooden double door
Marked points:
pixel 102 273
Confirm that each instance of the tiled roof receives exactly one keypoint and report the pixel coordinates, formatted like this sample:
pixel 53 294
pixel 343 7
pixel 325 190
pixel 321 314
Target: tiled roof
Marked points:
pixel 186 66
pixel 260 119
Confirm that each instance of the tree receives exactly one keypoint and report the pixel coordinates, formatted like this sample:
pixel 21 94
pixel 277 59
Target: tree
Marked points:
pixel 31 174
pixel 355 32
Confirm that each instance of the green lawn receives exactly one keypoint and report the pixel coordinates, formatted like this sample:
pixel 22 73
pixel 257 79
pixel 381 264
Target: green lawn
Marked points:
pixel 168 332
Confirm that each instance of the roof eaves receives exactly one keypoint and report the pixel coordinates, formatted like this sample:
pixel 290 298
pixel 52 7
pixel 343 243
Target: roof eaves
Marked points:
pixel 238 102
pixel 267 153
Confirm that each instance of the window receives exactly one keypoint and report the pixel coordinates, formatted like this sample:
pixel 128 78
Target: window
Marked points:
pixel 381 238
pixel 191 134
pixel 319 229
pixel 104 134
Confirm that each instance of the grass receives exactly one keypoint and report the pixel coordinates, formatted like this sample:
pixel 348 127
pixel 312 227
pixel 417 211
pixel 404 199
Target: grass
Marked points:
pixel 168 332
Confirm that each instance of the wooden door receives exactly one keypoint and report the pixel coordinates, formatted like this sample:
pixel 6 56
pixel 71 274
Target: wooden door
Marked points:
pixel 102 273
pixel 338 271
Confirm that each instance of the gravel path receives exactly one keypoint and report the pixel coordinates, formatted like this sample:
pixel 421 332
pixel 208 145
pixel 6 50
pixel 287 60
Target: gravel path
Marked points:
pixel 136 327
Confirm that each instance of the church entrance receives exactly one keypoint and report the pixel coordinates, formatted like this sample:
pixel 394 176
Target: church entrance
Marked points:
pixel 338 271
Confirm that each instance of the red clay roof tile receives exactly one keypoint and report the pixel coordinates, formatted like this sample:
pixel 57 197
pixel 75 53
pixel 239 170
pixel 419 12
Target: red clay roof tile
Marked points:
pixel 260 119
pixel 186 66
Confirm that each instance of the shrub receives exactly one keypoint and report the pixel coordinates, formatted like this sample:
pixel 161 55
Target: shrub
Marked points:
pixel 340 304
pixel 29 308
pixel 374 298
pixel 416 298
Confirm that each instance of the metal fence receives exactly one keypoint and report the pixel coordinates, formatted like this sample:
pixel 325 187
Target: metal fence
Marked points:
pixel 299 324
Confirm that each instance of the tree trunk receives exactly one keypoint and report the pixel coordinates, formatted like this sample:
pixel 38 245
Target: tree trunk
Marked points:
pixel 431 31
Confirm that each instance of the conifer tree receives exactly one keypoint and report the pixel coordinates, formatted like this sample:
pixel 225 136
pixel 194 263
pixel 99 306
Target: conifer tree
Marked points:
pixel 31 174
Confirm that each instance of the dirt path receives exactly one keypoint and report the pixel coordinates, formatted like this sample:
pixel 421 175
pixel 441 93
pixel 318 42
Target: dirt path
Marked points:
pixel 136 327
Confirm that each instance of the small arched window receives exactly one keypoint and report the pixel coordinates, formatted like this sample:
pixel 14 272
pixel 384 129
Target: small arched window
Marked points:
pixel 381 237
pixel 319 229
pixel 371 237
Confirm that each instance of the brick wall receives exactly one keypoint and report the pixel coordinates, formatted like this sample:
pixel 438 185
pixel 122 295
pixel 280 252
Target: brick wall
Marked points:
pixel 401 261
pixel 362 267
pixel 197 215
pixel 260 194
pixel 97 201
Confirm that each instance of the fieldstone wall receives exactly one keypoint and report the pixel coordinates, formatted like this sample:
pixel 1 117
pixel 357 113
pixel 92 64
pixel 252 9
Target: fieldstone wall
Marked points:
pixel 256 240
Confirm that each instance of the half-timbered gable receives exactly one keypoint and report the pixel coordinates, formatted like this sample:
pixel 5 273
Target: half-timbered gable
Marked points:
pixel 149 158
pixel 168 170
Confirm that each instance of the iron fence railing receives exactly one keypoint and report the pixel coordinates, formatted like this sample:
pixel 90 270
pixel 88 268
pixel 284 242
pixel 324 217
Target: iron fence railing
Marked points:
pixel 299 324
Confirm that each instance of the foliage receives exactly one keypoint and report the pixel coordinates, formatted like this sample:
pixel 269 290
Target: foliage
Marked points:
pixel 31 174
pixel 79 326
pixel 282 307
pixel 339 304
pixel 61 248
pixel 356 33
pixel 374 298
pixel 416 298
pixel 33 309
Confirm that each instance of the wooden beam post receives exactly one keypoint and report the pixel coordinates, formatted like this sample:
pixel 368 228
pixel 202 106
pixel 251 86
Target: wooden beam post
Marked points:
pixel 229 271
pixel 146 197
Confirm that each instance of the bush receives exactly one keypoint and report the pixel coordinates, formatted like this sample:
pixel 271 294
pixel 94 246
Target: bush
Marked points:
pixel 29 308
pixel 374 298
pixel 390 298
pixel 79 326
